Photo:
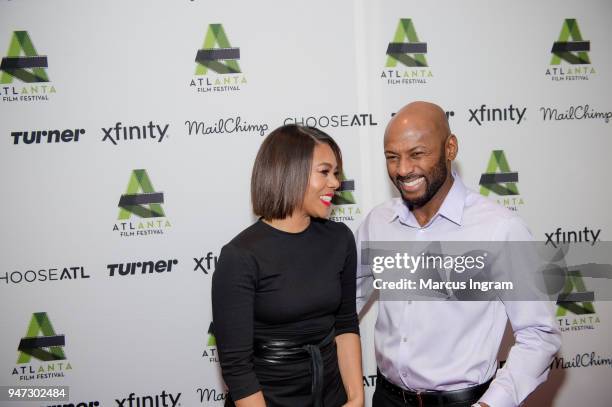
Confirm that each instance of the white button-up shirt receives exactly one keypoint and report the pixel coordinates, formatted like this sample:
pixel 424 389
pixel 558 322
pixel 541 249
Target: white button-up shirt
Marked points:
pixel 449 345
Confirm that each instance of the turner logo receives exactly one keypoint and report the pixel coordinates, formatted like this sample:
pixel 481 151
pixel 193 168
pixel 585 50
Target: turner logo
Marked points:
pixel 210 352
pixel 46 136
pixel 23 63
pixel 43 344
pixel 484 114
pixel 344 204
pixel 142 201
pixel 217 68
pixel 570 59
pixel 407 54
pixel 141 267
pixel 164 399
pixel 79 404
pixel 120 132
pixel 502 181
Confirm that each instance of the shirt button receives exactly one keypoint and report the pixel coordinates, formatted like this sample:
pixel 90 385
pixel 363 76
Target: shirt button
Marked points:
pixel 404 374
pixel 404 339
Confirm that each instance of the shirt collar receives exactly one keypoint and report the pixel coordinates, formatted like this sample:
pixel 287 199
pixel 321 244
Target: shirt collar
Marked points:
pixel 451 208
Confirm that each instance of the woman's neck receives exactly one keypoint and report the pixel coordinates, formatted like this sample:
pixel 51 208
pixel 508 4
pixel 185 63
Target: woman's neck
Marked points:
pixel 296 223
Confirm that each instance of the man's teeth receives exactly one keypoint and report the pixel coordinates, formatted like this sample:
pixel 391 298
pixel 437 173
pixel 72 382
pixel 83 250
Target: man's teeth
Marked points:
pixel 413 183
pixel 326 198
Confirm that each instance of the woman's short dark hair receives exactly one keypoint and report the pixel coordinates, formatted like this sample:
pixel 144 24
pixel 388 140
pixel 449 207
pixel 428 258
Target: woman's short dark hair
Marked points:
pixel 282 169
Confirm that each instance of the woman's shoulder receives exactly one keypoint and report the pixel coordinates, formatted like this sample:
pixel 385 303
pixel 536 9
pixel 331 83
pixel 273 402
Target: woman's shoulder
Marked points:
pixel 338 228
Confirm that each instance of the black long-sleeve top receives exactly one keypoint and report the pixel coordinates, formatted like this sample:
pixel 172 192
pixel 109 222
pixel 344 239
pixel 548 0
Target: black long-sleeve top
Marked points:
pixel 271 284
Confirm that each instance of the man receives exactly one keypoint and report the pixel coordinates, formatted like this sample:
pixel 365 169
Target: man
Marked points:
pixel 443 353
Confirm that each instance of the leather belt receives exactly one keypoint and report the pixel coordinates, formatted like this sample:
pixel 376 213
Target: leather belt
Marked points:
pixel 432 397
pixel 280 351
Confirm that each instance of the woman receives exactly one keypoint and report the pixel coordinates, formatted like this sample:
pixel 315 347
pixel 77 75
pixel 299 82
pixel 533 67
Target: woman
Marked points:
pixel 283 292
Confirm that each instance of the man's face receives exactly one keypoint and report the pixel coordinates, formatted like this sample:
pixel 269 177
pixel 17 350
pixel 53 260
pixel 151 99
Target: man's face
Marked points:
pixel 416 163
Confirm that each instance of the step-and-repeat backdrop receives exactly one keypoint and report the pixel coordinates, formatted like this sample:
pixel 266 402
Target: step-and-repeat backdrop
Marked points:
pixel 129 130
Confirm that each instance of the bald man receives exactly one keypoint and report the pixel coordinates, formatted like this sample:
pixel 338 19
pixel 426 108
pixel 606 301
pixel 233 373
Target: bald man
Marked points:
pixel 443 353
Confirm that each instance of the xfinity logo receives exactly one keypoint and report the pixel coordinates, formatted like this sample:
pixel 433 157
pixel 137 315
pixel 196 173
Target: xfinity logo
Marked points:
pixel 121 132
pixel 141 267
pixel 159 400
pixel 572 236
pixel 206 264
pixel 485 114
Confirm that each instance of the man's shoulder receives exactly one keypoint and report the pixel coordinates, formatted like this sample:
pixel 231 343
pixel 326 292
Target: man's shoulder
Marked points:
pixel 385 211
pixel 486 212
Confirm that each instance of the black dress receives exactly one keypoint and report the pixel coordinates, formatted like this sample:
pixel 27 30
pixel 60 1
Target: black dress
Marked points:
pixel 271 284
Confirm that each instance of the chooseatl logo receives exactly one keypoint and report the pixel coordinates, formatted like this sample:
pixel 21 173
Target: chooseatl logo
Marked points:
pixel 344 204
pixel 210 352
pixel 406 57
pixel 570 55
pixel 23 63
pixel 46 347
pixel 483 114
pixel 141 201
pixel 217 68
pixel 44 275
pixel 334 120
pixel 502 181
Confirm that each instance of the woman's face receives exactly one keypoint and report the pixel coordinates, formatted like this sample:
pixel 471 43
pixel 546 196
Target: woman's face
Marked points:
pixel 322 183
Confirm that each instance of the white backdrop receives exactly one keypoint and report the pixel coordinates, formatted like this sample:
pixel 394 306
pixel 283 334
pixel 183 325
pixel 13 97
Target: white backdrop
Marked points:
pixel 133 63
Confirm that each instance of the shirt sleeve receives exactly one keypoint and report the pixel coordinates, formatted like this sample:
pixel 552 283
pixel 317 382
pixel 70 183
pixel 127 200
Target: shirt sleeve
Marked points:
pixel 536 336
pixel 346 317
pixel 364 277
pixel 233 294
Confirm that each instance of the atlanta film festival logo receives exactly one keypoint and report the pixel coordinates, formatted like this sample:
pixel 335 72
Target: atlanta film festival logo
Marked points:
pixel 217 64
pixel 570 59
pixel 140 208
pixel 502 181
pixel 41 352
pixel 406 57
pixel 23 64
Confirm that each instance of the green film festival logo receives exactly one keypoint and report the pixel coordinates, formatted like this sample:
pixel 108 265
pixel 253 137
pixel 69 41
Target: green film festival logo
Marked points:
pixel 575 309
pixel 502 181
pixel 344 203
pixel 210 352
pixel 140 208
pixel 406 57
pixel 23 64
pixel 217 64
pixel 570 59
pixel 41 351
